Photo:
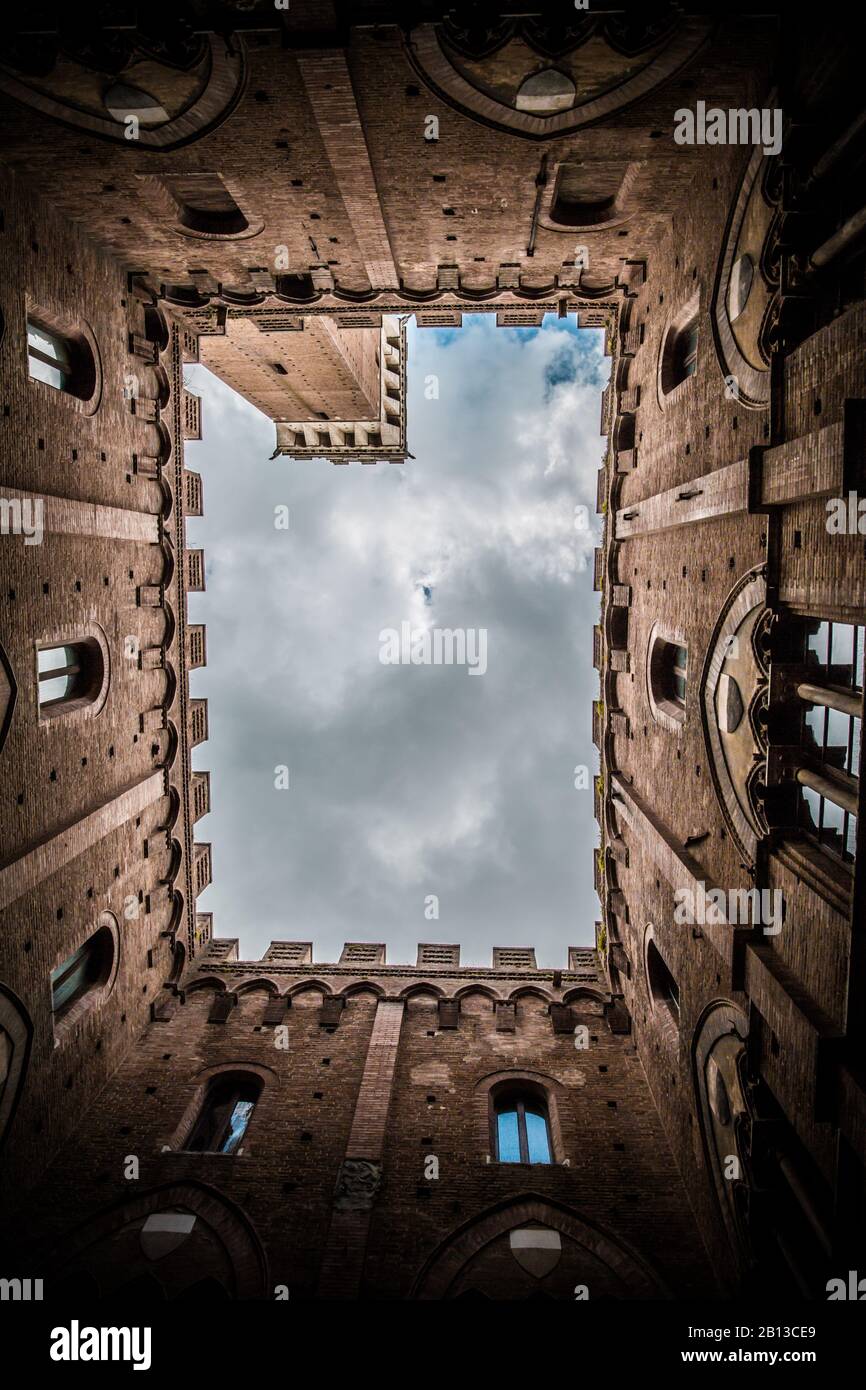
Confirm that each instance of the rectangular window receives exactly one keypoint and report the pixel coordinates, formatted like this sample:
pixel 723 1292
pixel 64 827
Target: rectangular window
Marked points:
pixel 509 1141
pixel 536 1138
pixel 832 732
pixel 47 356
pixel 58 668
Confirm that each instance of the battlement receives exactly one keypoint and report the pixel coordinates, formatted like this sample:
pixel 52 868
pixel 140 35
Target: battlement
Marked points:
pixel 369 958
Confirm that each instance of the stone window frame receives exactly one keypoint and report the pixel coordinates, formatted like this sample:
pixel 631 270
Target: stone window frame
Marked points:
pixel 86 394
pixel 675 324
pixel 669 1026
pixel 78 707
pixel 156 187
pixel 620 212
pixel 96 996
pixel 182 1131
pixel 668 713
pixel 544 1086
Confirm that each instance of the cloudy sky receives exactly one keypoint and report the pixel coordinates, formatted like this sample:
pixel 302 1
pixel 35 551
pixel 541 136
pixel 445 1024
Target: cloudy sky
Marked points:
pixel 407 781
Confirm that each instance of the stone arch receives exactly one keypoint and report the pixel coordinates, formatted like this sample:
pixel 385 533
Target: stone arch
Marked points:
pixel 719 1037
pixel 305 986
pixel 753 379
pixel 734 659
pixel 362 987
pixel 258 982
pixel 521 992
pixel 219 91
pixel 8 695
pixel 574 996
pixel 628 1271
pixel 206 982
pixel 16 1033
pixel 423 988
pixel 112 1247
pixel 434 65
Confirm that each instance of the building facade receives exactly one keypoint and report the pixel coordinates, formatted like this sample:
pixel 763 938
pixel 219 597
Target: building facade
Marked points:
pixel 274 200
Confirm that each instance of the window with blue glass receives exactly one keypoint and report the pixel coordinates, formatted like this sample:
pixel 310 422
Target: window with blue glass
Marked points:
pixel 228 1105
pixel 522 1130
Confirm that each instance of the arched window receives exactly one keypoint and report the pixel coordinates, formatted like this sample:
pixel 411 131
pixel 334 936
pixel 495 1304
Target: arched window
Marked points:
pixel 205 206
pixel 228 1104
pixel 668 673
pixel 586 193
pixel 679 357
pixel 69 676
pixel 75 982
pixel 60 357
pixel 662 985
pixel 521 1127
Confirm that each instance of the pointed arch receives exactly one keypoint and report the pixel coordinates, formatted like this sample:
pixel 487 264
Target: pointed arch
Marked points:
pixel 16 1033
pixel 258 982
pixel 442 1269
pixel 423 987
pixel 491 993
pixel 225 1234
pixel 306 985
pixel 362 987
pixel 522 991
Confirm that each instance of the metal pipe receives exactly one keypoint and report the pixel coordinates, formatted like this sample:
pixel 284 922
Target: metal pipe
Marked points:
pixel 834 791
pixel 832 697
pixel 837 149
pixel 848 232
